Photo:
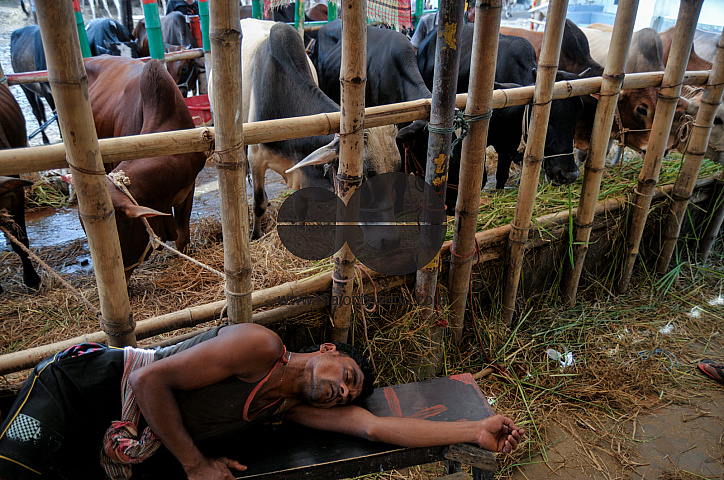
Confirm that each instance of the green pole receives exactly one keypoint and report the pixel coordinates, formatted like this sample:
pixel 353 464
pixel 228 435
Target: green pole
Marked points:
pixel 256 9
pixel 153 29
pixel 299 17
pixel 82 35
pixel 331 10
pixel 204 20
pixel 418 11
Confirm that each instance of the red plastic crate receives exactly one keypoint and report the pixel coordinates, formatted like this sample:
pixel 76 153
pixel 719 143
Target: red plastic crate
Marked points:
pixel 200 110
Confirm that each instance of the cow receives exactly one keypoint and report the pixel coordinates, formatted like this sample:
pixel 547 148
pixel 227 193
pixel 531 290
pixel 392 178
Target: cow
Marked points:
pixel 705 43
pixel 109 36
pixel 177 37
pixel 715 147
pixel 695 61
pixel 27 55
pixel 282 87
pixel 516 64
pixel 12 196
pixel 635 112
pixel 575 56
pixel 130 97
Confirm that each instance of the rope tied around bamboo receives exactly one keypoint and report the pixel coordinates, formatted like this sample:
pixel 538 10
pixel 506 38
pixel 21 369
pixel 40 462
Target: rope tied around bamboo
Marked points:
pixel 215 157
pixel 461 121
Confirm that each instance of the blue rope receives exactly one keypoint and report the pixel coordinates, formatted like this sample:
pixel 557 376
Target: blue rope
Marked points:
pixel 658 351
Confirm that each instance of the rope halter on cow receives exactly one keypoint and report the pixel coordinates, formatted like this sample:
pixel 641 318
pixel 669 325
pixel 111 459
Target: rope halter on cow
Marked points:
pixel 620 136
pixel 121 181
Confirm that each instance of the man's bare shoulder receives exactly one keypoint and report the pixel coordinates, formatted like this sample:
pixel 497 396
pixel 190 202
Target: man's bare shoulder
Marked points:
pixel 255 340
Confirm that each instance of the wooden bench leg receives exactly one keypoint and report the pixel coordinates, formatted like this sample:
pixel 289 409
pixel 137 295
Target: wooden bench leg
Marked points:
pixel 483 461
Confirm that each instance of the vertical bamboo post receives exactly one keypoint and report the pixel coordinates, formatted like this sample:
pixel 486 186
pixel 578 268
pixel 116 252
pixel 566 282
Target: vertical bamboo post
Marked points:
pixel 593 173
pixel 665 109
pixel 695 150
pixel 717 215
pixel 69 84
pixel 353 79
pixel 472 162
pixel 82 35
pixel 153 29
pixel 534 150
pixel 206 44
pixel 442 116
pixel 229 156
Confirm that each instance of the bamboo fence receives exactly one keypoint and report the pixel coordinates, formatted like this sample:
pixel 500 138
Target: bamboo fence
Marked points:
pixel 663 117
pixel 229 158
pixel 717 218
pixel 534 151
pixel 472 162
pixel 695 150
pixel 35 159
pixel 607 105
pixel 69 84
pixel 353 80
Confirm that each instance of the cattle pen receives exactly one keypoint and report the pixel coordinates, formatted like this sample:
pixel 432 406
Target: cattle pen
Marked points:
pixel 507 266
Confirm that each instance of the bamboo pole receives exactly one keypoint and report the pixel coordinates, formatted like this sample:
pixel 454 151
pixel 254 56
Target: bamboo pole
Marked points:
pixel 69 84
pixel 225 37
pixel 191 317
pixel 492 239
pixel 613 75
pixel 442 116
pixel 717 218
pixel 533 157
pixel 353 80
pixel 34 159
pixel 664 115
pixel 695 150
pixel 472 162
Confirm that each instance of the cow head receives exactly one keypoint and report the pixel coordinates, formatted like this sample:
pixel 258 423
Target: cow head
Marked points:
pixel 122 49
pixel 635 117
pixel 715 147
pixel 185 73
pixel 559 162
pixel 380 156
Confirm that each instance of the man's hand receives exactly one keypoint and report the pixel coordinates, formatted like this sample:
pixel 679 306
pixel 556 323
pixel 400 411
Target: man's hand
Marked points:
pixel 499 434
pixel 214 469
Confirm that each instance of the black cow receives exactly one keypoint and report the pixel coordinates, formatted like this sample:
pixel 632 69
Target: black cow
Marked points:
pixel 282 87
pixel 12 197
pixel 108 36
pixel 27 55
pixel 516 64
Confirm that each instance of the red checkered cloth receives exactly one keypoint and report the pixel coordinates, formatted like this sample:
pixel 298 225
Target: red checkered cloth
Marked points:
pixel 390 12
pixel 269 5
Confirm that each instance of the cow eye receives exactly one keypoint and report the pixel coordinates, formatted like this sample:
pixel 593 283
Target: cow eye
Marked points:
pixel 718 121
pixel 642 111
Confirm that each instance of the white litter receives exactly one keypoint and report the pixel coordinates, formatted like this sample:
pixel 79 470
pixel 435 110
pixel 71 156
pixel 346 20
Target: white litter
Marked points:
pixel 667 329
pixel 695 312
pixel 564 359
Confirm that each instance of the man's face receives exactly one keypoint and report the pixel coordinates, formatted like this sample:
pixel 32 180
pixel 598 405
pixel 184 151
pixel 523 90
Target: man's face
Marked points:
pixel 332 379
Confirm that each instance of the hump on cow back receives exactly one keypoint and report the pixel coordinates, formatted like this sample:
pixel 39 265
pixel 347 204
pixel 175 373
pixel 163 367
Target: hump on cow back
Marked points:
pixel 161 99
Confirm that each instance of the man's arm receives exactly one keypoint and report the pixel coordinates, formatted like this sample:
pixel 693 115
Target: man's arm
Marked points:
pixel 497 433
pixel 246 351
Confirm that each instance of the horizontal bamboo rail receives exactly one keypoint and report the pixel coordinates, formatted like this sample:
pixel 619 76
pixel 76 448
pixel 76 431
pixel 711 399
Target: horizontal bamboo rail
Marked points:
pixel 42 75
pixel 190 317
pixel 35 159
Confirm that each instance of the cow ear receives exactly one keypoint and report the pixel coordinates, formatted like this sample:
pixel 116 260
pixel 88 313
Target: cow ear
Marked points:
pixel 136 211
pixel 8 184
pixel 322 155
pixel 596 95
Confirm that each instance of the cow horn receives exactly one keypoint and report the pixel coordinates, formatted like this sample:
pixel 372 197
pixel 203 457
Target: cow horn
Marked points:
pixel 137 211
pixel 322 155
pixel 8 184
pixel 585 72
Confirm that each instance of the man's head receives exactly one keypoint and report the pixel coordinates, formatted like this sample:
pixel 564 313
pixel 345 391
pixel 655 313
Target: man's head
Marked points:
pixel 333 364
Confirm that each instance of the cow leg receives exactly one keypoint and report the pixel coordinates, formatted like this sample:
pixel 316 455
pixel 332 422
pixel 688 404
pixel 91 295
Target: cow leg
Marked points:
pixel 36 105
pixel 105 5
pixel 182 217
pixel 581 157
pixel 260 198
pixel 16 205
pixel 503 172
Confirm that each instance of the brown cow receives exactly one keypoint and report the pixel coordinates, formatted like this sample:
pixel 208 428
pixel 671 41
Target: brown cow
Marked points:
pixel 131 97
pixel 695 61
pixel 177 37
pixel 12 197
